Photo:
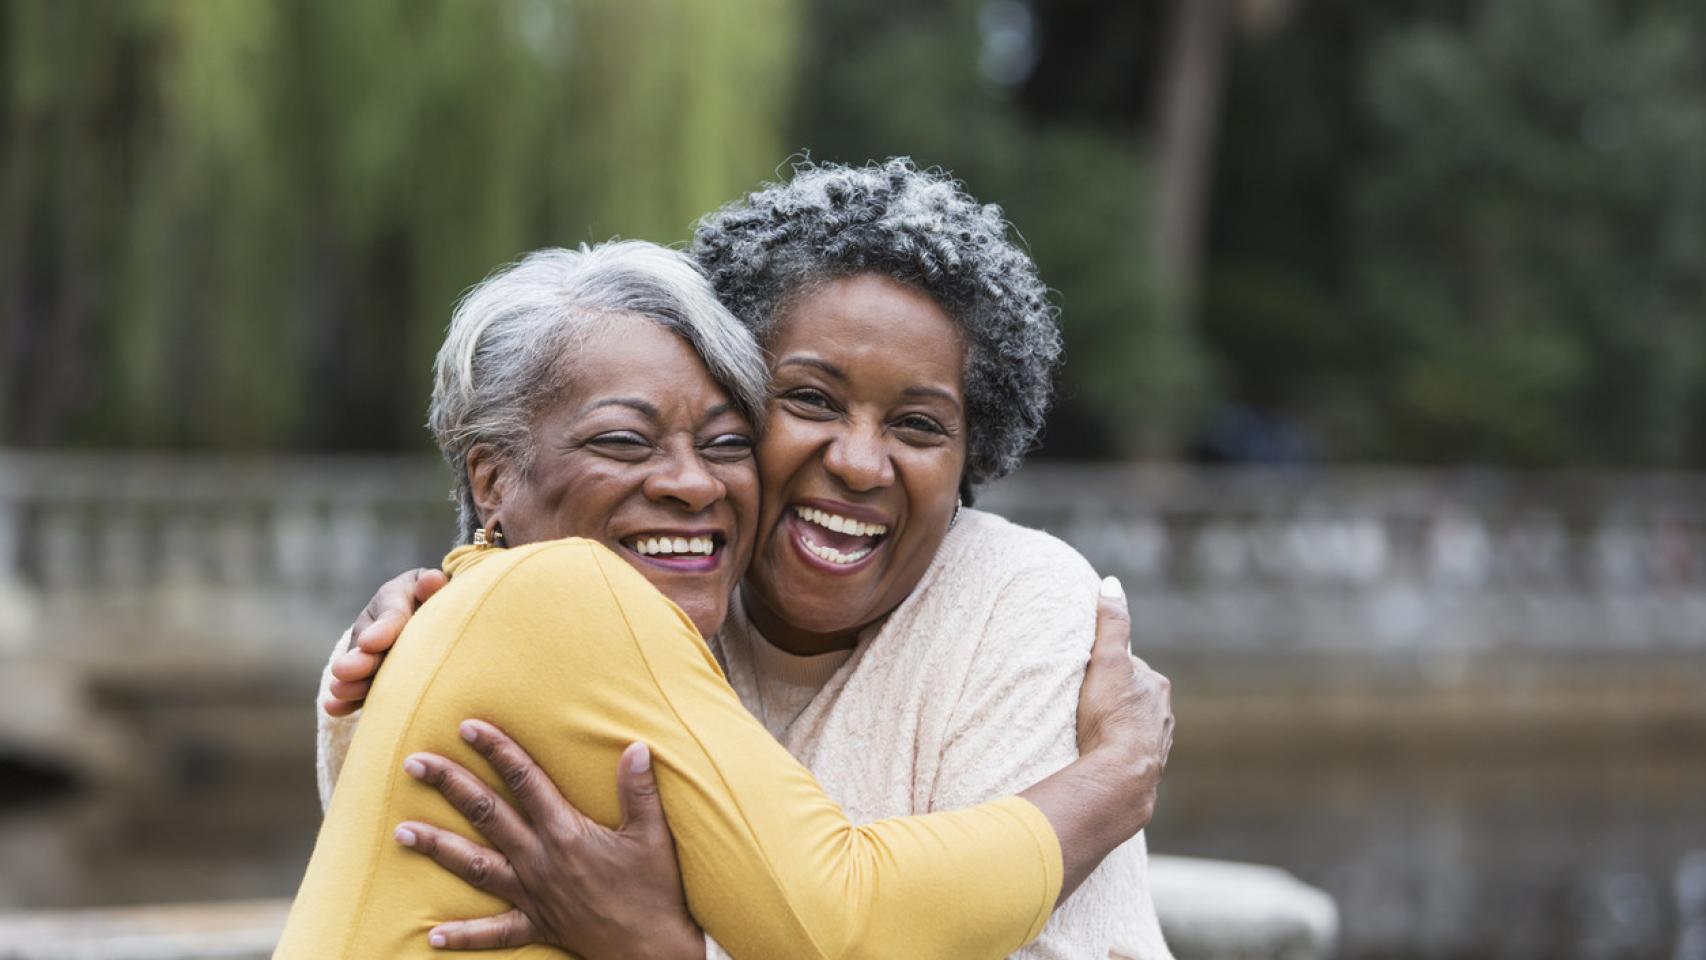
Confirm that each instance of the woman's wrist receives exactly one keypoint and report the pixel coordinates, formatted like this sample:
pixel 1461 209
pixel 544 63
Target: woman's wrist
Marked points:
pixel 1091 806
pixel 682 941
pixel 1124 777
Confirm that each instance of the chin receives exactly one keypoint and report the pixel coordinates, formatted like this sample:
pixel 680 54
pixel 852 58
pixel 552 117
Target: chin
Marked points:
pixel 707 617
pixel 819 618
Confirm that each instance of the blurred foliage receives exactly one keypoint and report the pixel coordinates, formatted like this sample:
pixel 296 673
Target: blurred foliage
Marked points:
pixel 243 223
pixel 1475 232
pixel 1440 231
pixel 1534 227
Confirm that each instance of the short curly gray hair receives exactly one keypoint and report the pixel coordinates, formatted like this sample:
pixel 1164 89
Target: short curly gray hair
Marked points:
pixel 918 227
pixel 503 359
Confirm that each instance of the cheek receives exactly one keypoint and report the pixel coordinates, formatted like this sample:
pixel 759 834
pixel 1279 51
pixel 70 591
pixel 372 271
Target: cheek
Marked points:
pixel 583 499
pixel 786 446
pixel 741 482
pixel 933 475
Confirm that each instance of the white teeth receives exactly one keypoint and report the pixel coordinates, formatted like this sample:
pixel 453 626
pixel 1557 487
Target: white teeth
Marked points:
pixel 673 546
pixel 840 524
pixel 836 556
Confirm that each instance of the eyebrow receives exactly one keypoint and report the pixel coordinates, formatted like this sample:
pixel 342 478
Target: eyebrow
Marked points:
pixel 822 365
pixel 634 403
pixel 832 370
pixel 937 392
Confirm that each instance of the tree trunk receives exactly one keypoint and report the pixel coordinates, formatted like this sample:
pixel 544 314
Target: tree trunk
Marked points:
pixel 1187 115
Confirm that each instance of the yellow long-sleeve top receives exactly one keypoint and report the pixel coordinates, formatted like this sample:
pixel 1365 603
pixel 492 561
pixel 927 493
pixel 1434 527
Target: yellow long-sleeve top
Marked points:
pixel 567 648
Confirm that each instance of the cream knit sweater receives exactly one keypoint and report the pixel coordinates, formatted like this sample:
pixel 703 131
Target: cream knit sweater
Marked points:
pixel 967 692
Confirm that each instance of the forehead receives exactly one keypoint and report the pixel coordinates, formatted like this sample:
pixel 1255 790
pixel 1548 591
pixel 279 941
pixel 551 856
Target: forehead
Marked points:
pixel 635 357
pixel 876 323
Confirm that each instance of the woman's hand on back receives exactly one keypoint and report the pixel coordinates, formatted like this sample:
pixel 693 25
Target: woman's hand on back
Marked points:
pixel 575 883
pixel 1125 709
pixel 1125 730
pixel 373 633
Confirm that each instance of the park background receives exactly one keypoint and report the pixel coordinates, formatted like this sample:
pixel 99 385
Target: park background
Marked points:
pixel 1385 392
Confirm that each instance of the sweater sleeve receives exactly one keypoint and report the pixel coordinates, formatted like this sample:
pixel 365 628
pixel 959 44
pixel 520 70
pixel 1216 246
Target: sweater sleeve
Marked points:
pixel 332 735
pixel 771 866
pixel 1016 722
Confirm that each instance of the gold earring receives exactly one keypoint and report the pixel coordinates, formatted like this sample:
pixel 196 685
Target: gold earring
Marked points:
pixel 489 535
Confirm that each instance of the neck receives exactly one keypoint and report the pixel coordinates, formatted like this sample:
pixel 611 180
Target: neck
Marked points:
pixel 791 638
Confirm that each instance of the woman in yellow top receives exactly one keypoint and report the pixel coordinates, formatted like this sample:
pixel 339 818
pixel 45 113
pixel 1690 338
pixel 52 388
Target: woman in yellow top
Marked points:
pixel 606 395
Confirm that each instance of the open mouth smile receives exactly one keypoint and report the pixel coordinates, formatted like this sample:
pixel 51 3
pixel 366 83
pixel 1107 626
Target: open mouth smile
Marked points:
pixel 832 541
pixel 680 550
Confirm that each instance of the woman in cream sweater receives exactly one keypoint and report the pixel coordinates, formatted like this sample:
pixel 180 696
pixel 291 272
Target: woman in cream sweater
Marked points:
pixel 916 655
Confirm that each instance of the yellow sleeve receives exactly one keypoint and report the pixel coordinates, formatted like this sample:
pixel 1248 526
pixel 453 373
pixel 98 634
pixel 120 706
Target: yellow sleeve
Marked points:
pixel 568 648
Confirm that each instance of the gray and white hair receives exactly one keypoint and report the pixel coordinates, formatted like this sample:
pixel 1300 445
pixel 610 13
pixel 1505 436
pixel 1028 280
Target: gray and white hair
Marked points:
pixel 919 227
pixel 504 357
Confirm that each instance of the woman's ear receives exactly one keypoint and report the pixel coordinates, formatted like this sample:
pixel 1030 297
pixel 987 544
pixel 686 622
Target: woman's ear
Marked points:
pixel 487 480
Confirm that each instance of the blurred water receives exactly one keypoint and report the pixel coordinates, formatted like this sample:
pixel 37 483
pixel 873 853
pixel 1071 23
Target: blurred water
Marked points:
pixel 1566 855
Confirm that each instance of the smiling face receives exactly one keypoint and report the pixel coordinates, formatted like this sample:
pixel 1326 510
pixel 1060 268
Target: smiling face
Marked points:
pixel 644 453
pixel 860 462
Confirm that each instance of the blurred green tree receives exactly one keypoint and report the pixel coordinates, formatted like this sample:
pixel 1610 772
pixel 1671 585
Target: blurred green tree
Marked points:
pixel 242 224
pixel 1434 230
pixel 1531 229
pixel 1450 232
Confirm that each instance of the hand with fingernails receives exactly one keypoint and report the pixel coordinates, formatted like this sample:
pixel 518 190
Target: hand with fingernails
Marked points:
pixel 1125 706
pixel 575 884
pixel 373 633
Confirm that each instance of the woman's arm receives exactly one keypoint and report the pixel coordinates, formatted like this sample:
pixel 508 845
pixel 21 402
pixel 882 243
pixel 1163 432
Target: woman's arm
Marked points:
pixel 1124 732
pixel 1015 719
pixel 770 865
pixel 603 892
pixel 1094 804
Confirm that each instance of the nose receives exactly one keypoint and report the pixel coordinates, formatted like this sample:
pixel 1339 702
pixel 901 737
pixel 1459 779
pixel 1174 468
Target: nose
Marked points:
pixel 857 457
pixel 685 479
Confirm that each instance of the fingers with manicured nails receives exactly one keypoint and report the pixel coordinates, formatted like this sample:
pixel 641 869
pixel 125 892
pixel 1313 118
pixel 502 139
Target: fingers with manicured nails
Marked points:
pixel 511 929
pixel 637 791
pixel 485 811
pixel 1113 622
pixel 478 866
pixel 538 796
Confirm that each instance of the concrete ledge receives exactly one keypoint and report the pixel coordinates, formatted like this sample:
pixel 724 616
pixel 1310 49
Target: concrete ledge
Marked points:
pixel 236 930
pixel 1214 910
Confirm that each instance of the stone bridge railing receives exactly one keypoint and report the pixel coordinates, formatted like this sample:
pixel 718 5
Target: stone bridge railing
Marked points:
pixel 107 556
pixel 1379 559
pixel 120 556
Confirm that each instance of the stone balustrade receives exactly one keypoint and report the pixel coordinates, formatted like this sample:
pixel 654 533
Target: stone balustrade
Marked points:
pixel 1372 560
pixel 141 555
